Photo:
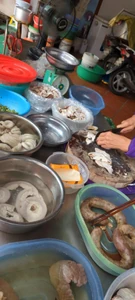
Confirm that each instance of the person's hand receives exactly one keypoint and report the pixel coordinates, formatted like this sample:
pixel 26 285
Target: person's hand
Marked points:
pixel 109 140
pixel 127 125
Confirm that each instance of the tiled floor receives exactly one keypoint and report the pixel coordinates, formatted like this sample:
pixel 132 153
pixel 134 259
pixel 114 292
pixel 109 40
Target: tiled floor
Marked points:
pixel 118 108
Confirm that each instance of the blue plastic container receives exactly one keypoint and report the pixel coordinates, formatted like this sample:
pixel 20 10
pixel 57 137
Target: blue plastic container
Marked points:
pixel 19 88
pixel 25 266
pixel 88 97
pixel 14 101
pixel 117 198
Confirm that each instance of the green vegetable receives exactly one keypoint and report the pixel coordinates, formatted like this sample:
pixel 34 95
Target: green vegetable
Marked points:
pixel 7 109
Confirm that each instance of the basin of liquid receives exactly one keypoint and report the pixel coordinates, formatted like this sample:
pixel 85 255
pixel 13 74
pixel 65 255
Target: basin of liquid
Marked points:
pixel 25 266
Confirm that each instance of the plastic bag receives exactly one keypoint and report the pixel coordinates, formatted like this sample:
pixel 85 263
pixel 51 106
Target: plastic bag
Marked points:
pixel 74 125
pixel 40 65
pixel 39 103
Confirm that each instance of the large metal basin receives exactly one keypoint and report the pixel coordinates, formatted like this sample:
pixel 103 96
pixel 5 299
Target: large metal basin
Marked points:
pixel 26 126
pixel 31 170
pixel 61 59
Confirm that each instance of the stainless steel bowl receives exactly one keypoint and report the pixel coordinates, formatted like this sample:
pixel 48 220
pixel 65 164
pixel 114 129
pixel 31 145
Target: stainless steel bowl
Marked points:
pixel 61 59
pixel 31 170
pixel 54 131
pixel 26 126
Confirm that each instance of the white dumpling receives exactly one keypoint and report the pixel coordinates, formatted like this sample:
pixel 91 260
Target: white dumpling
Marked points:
pixel 5 147
pixel 29 144
pixel 28 136
pixel 17 148
pixel 16 130
pixel 9 139
pixel 9 124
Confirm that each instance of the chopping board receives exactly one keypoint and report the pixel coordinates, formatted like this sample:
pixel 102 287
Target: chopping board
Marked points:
pixel 123 166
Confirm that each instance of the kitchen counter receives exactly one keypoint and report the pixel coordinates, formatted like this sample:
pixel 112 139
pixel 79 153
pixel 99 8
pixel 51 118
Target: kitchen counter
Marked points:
pixel 63 226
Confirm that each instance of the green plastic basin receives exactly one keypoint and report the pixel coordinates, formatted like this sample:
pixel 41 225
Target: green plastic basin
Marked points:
pixel 117 198
pixel 91 74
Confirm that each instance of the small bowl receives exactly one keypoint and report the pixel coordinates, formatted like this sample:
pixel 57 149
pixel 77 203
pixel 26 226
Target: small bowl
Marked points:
pixel 74 125
pixel 14 101
pixel 26 265
pixel 117 198
pixel 125 280
pixel 26 126
pixel 88 97
pixel 65 158
pixel 16 168
pixel 54 131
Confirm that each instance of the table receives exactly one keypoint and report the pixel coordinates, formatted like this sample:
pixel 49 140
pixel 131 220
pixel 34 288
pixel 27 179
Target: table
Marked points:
pixel 63 226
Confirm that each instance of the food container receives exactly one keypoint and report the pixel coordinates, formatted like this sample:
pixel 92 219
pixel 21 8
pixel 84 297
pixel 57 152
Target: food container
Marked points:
pixel 39 103
pixel 32 171
pixel 18 88
pixel 23 15
pixel 125 280
pixel 54 131
pixel 74 125
pixel 92 75
pixel 89 60
pixel 14 101
pixel 65 158
pixel 117 198
pixel 88 97
pixel 26 126
pixel 25 266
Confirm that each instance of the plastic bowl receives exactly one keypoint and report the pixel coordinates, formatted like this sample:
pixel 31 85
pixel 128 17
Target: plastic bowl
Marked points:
pixel 65 158
pixel 117 198
pixel 14 101
pixel 19 88
pixel 88 97
pixel 92 75
pixel 25 266
pixel 73 125
pixel 126 280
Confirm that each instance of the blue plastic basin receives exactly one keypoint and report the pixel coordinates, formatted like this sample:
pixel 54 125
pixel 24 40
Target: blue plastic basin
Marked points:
pixel 14 101
pixel 88 97
pixel 25 266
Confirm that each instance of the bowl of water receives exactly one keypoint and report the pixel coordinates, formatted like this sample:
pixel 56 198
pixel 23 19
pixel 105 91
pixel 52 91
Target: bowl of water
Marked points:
pixel 88 97
pixel 25 266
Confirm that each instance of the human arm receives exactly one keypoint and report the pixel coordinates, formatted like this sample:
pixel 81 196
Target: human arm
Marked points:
pixel 127 125
pixel 109 140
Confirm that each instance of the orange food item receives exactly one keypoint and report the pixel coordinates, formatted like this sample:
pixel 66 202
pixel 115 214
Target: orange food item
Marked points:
pixel 69 172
